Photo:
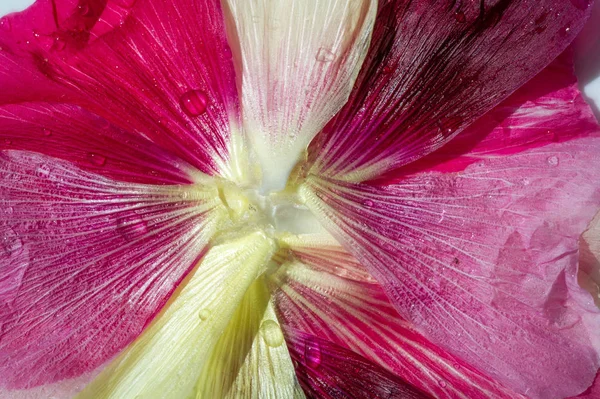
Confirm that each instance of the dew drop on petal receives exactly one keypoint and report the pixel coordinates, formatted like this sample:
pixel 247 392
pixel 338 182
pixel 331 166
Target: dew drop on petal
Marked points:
pixel 312 353
pixel 460 16
pixel 325 55
pixel 59 44
pixel 194 102
pixel 553 161
pixel 227 53
pixel 46 132
pixel 387 70
pixel 84 10
pixel 43 171
pixel 10 241
pixel 5 24
pixel 204 314
pixel 442 383
pixel 131 226
pixel 368 203
pixel 96 159
pixel 7 141
pixel 271 333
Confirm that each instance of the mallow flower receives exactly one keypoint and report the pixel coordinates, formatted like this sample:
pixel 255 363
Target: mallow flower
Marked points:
pixel 295 198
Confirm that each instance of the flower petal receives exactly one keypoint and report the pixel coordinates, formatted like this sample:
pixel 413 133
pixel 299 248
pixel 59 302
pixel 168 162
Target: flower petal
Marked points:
pixel 299 62
pixel 168 360
pixel 330 371
pixel 250 360
pixel 589 259
pixel 484 256
pixel 89 142
pixel 313 298
pixel 433 68
pixel 89 261
pixel 170 80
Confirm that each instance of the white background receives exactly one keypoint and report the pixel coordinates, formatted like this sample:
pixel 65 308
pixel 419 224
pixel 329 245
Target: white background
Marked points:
pixel 587 47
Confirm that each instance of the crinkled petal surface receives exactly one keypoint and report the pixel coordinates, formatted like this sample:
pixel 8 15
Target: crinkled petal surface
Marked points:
pixel 432 69
pixel 204 345
pixel 482 256
pixel 86 263
pixel 299 60
pixel 159 69
pixel 321 293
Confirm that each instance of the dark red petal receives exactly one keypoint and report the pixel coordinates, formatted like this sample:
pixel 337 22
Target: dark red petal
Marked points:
pixel 88 141
pixel 161 69
pixel 318 298
pixel 329 371
pixel 89 261
pixel 433 68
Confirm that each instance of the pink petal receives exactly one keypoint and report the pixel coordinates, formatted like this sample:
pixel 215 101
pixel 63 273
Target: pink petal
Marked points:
pixel 88 141
pixel 485 261
pixel 168 79
pixel 589 259
pixel 329 371
pixel 592 392
pixel 356 314
pixel 434 68
pixel 90 260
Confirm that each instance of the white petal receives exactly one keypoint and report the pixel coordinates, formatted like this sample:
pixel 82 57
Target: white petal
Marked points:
pixel 300 60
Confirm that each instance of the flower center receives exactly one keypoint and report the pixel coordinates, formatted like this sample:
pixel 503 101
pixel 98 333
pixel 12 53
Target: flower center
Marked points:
pixel 276 214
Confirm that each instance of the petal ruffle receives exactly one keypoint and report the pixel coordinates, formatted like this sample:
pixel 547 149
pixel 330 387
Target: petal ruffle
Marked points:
pixel 433 68
pixel 172 82
pixel 187 349
pixel 315 297
pixel 299 60
pixel 87 263
pixel 89 142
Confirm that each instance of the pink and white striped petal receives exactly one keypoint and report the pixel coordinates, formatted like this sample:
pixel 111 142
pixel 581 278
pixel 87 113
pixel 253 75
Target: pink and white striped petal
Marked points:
pixel 433 68
pixel 87 263
pixel 299 61
pixel 170 80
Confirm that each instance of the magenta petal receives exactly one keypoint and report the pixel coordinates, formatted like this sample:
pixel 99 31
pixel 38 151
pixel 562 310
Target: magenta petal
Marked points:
pixel 88 141
pixel 356 314
pixel 89 261
pixel 124 61
pixel 328 371
pixel 433 68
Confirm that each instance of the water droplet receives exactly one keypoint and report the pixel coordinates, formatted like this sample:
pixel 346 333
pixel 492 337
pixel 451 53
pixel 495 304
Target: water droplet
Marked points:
pixel 131 226
pixel 271 333
pixel 96 159
pixel 567 29
pixel 10 241
pixel 84 10
pixel 46 132
pixel 581 4
pixel 204 314
pixel 194 102
pixel 59 43
pixel 43 171
pixel 325 55
pixel 553 161
pixel 442 383
pixel 5 24
pixel 368 203
pixel 387 70
pixel 7 141
pixel 460 16
pixel 312 353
